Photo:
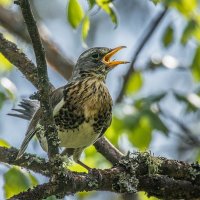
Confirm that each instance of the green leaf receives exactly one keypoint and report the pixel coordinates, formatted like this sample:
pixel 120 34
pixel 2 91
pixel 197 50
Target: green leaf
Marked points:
pixel 91 3
pixel 186 7
pixel 108 7
pixel 157 123
pixel 155 1
pixel 189 101
pixel 196 64
pixel 145 103
pixel 192 29
pixel 5 65
pixel 168 36
pixel 75 13
pixel 141 135
pixel 4 143
pixel 2 99
pixel 134 83
pixel 85 27
pixel 9 87
pixel 15 182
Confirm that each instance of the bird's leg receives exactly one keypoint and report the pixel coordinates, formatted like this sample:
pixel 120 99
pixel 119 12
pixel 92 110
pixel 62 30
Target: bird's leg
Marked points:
pixel 84 165
pixel 93 171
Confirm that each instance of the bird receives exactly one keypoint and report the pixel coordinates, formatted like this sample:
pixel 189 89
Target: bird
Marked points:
pixel 82 109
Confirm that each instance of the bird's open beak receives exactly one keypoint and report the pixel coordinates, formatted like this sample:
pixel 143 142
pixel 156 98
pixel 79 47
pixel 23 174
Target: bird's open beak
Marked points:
pixel 112 63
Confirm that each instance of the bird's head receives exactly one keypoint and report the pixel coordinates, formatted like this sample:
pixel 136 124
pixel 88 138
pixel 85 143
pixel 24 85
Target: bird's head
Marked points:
pixel 97 61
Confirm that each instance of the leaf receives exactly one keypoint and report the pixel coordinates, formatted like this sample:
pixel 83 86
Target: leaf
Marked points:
pixel 5 65
pixel 155 1
pixel 108 7
pixel 4 143
pixel 2 99
pixel 141 135
pixel 5 2
pixel 192 29
pixel 186 7
pixel 196 64
pixel 85 27
pixel 75 13
pixel 9 87
pixel 189 100
pixel 157 123
pixel 91 3
pixel 145 103
pixel 168 36
pixel 134 83
pixel 15 182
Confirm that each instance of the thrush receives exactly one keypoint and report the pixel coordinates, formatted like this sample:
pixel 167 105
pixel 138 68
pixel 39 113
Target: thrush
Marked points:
pixel 82 109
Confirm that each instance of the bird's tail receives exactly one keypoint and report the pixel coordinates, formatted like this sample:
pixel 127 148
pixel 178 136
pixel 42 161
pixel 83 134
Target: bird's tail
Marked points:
pixel 27 109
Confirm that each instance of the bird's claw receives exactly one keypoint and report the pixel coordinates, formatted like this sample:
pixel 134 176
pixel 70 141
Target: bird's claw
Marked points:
pixel 95 173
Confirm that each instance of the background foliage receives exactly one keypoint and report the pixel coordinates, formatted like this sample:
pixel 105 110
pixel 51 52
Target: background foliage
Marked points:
pixel 160 109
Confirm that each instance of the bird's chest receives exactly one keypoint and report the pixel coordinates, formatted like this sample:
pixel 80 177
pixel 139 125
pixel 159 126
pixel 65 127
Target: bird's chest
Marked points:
pixel 82 114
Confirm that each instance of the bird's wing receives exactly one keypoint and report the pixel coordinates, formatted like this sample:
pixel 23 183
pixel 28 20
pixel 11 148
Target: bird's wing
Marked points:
pixel 30 132
pixel 55 98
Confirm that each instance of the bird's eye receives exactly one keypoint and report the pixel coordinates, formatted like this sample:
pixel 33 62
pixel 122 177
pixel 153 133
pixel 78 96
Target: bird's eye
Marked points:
pixel 95 55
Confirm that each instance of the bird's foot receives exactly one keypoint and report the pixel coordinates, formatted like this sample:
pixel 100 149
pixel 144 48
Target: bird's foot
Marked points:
pixel 96 173
pixel 92 171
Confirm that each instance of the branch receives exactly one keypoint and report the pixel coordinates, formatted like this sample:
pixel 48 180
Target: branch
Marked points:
pixel 157 176
pixel 110 152
pixel 146 37
pixel 27 161
pixel 44 89
pixel 13 22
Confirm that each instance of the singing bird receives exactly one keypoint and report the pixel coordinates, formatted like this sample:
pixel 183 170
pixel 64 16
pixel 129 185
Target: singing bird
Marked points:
pixel 82 109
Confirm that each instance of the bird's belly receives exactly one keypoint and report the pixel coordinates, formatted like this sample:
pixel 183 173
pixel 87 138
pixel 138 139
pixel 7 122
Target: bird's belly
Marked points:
pixel 82 136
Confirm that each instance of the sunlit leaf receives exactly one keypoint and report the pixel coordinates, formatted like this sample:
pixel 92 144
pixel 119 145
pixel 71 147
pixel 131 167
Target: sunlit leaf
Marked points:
pixel 186 7
pixel 168 36
pixel 9 87
pixel 134 83
pixel 75 13
pixel 5 2
pixel 5 65
pixel 51 198
pixel 85 27
pixel 143 196
pixel 15 182
pixel 33 180
pixel 4 143
pixel 196 64
pixel 2 99
pixel 141 135
pixel 108 7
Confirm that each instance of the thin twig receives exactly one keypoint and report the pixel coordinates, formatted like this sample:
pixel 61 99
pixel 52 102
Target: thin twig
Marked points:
pixel 146 37
pixel 43 83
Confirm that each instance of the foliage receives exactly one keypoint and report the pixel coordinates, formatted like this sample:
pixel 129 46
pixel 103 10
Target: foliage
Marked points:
pixel 138 120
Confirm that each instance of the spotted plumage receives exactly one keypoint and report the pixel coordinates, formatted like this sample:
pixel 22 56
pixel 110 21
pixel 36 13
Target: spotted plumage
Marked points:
pixel 82 109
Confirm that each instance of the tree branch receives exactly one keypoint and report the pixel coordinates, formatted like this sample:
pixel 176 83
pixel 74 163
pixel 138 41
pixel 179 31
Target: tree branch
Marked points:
pixel 145 38
pixel 44 88
pixel 157 176
pixel 13 22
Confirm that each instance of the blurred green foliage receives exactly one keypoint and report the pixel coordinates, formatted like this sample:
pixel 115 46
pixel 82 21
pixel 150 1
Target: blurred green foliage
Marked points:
pixel 137 120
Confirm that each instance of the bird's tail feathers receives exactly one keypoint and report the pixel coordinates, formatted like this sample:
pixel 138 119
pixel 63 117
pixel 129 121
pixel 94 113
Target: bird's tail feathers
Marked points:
pixel 27 109
pixel 25 143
